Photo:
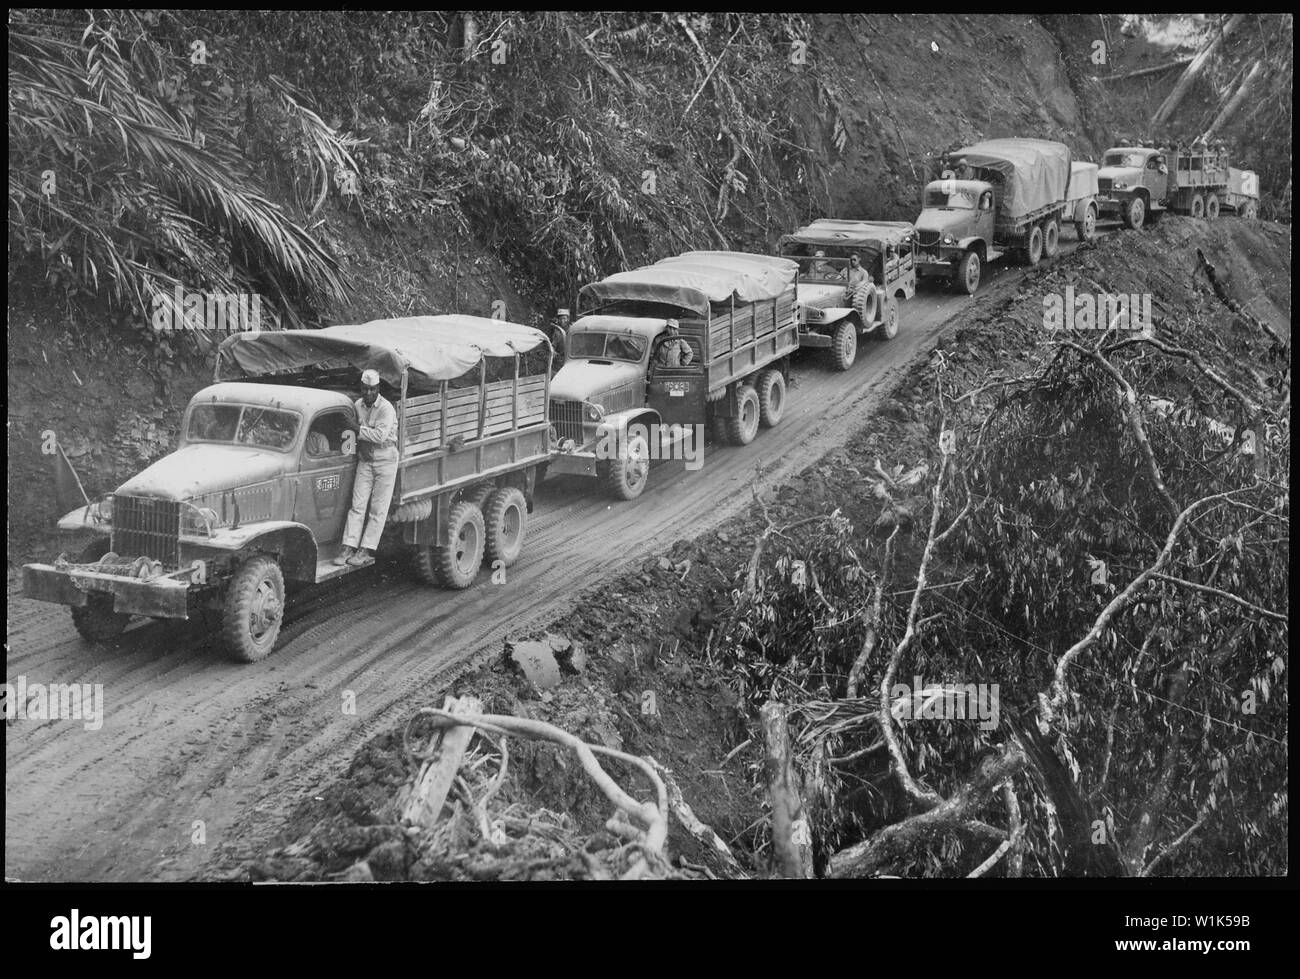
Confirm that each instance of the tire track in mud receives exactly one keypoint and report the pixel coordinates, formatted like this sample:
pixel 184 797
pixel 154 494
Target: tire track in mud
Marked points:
pixel 189 736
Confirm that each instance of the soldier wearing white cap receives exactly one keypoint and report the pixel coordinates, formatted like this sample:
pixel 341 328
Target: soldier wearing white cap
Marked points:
pixel 376 472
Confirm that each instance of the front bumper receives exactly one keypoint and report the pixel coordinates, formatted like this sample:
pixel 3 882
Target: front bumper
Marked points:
pixel 163 598
pixel 577 462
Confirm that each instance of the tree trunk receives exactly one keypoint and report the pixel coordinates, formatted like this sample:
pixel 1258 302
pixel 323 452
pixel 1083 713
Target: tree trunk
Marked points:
pixel 1193 72
pixel 1234 103
pixel 791 836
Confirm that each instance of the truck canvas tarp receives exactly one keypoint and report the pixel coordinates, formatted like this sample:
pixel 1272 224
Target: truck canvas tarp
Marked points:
pixel 691 284
pixel 1035 172
pixel 1083 181
pixel 431 348
pixel 853 234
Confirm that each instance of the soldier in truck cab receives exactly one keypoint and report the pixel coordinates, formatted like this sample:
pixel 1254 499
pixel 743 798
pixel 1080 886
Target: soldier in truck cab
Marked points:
pixel 372 490
pixel 674 351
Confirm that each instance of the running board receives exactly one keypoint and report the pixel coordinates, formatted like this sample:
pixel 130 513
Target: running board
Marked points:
pixel 327 569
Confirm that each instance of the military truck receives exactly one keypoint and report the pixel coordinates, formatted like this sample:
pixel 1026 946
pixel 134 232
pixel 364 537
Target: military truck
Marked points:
pixel 828 318
pixel 1013 198
pixel 615 407
pixel 259 489
pixel 1139 183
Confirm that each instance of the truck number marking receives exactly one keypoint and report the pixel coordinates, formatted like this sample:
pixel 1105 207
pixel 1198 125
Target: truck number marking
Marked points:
pixel 676 389
pixel 324 483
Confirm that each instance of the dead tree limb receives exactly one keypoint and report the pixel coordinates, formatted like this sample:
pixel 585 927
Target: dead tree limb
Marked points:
pixel 1234 103
pixel 1194 69
pixel 791 837
pixel 1146 71
pixel 692 824
pixel 893 843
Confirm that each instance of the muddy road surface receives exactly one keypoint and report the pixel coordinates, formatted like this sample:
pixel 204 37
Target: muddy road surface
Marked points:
pixel 198 756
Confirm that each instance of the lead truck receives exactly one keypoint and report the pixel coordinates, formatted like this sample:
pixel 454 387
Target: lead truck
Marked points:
pixel 1140 183
pixel 1021 193
pixel 257 493
pixel 737 313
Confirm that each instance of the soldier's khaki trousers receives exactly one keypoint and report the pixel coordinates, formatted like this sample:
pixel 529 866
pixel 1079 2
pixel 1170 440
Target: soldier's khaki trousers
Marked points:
pixel 374 484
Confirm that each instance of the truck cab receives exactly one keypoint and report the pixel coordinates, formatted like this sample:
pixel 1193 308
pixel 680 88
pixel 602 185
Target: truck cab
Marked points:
pixel 957 221
pixel 1133 184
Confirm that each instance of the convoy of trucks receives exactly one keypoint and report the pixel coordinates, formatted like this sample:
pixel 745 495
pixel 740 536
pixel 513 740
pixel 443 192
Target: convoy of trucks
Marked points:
pixel 257 493
pixel 1139 183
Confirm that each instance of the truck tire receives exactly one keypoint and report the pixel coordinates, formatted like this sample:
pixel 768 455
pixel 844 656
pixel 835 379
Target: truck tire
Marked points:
pixel 1133 215
pixel 96 621
pixel 744 426
pixel 1034 246
pixel 1051 238
pixel 626 476
pixel 457 565
pixel 1086 229
pixel 1211 207
pixel 253 610
pixel 771 398
pixel 844 345
pixel 476 494
pixel 1198 206
pixel 967 277
pixel 864 303
pixel 888 328
pixel 506 523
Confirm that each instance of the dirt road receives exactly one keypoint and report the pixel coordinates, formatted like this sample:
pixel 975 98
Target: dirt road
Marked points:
pixel 198 754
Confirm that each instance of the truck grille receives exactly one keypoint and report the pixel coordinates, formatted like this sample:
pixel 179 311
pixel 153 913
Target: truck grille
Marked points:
pixel 145 527
pixel 1103 183
pixel 927 239
pixel 566 416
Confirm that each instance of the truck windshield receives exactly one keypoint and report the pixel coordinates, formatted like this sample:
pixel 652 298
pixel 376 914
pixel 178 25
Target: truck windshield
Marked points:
pixel 1124 160
pixel 959 201
pixel 606 346
pixel 265 428
pixel 819 268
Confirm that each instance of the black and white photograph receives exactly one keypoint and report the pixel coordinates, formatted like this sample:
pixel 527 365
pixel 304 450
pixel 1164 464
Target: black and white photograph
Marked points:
pixel 688 450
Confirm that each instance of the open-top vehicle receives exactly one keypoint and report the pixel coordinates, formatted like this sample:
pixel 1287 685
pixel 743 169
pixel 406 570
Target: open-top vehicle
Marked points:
pixel 259 489
pixel 614 395
pixel 828 317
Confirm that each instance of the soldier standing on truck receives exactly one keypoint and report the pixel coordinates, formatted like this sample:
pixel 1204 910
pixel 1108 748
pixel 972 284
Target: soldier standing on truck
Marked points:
pixel 376 472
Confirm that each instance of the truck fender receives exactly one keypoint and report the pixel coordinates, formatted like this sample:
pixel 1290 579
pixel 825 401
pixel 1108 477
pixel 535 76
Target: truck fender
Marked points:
pixel 616 424
pixel 976 242
pixel 1081 209
pixel 292 542
pixel 833 314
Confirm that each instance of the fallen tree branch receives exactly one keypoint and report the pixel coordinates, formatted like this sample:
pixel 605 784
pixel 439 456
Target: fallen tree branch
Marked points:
pixel 691 823
pixel 791 836
pixel 647 821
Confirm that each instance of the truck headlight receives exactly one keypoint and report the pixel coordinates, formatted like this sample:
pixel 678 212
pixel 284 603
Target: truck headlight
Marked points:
pixel 1119 185
pixel 102 512
pixel 595 412
pixel 198 520
pixel 949 240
